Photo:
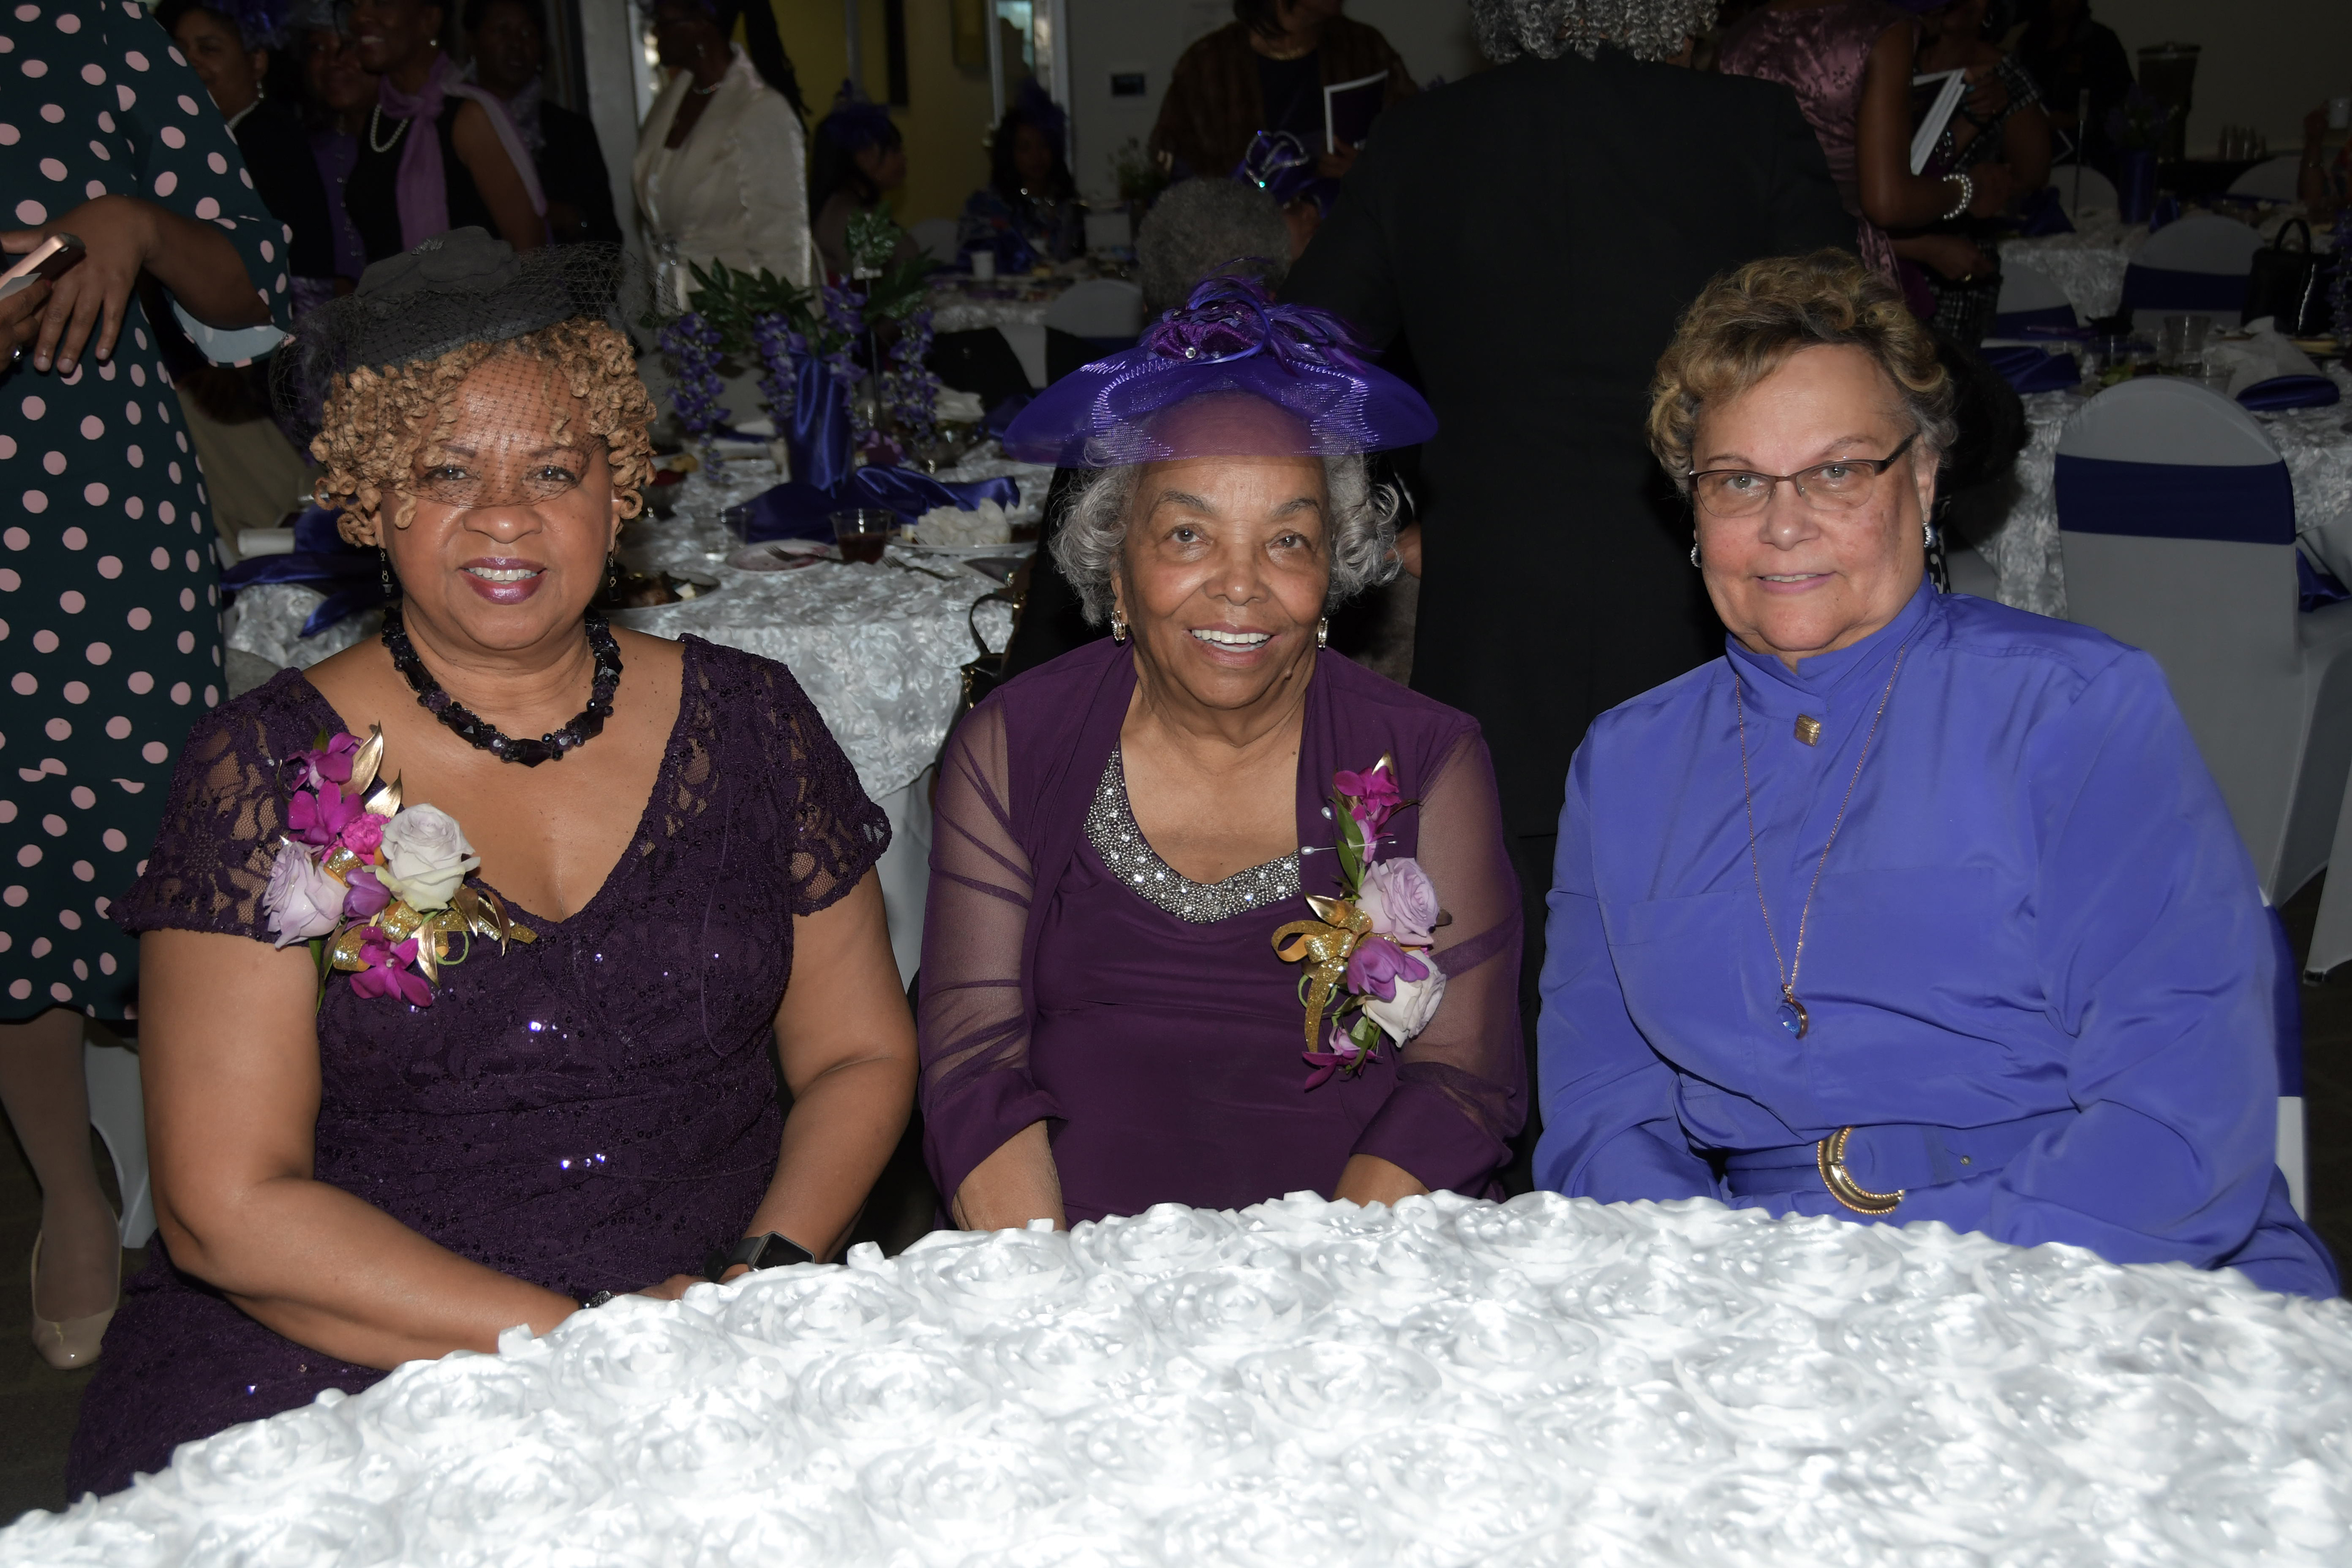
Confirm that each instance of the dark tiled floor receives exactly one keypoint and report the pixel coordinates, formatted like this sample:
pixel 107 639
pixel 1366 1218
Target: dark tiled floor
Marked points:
pixel 37 1406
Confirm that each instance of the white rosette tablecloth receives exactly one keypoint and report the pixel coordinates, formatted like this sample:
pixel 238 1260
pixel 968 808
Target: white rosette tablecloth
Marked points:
pixel 2088 264
pixel 2025 551
pixel 1306 1384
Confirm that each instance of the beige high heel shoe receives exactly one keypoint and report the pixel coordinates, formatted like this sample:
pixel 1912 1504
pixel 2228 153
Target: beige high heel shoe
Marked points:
pixel 73 1343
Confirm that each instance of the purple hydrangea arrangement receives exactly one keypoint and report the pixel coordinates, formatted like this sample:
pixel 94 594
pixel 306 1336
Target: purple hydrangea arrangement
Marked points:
pixel 694 346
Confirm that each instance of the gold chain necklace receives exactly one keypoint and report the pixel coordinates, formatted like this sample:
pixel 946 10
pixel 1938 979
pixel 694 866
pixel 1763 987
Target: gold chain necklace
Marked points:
pixel 1793 1017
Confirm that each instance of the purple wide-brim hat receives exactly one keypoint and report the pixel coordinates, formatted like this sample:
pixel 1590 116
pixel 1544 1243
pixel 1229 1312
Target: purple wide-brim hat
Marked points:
pixel 1229 341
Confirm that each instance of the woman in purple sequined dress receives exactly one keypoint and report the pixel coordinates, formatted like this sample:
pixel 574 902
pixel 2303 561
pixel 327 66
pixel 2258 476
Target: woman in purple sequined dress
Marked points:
pixel 1125 834
pixel 407 1163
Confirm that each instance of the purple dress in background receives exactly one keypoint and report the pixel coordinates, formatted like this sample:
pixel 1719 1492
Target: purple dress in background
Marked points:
pixel 1820 53
pixel 1159 1036
pixel 594 1111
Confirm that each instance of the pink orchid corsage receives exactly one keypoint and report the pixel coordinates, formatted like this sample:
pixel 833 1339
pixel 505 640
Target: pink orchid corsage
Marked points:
pixel 376 888
pixel 1370 976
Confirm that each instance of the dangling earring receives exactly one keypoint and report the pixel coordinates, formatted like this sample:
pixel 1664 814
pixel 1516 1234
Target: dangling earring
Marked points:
pixel 1926 536
pixel 1323 631
pixel 613 573
pixel 1694 549
pixel 1118 629
pixel 383 564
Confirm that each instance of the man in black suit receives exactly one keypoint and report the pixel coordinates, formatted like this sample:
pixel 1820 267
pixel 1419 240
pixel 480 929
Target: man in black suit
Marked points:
pixel 1533 232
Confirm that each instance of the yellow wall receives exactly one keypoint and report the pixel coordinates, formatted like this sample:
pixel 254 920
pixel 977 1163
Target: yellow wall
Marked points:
pixel 946 116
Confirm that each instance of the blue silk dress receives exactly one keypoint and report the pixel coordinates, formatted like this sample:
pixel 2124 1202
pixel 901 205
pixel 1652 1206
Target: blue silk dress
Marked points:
pixel 2043 985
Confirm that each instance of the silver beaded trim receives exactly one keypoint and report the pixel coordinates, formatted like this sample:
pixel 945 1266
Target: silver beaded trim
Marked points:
pixel 1110 828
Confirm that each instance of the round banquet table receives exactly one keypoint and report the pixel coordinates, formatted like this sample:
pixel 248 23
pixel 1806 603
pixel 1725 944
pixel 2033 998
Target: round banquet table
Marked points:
pixel 879 649
pixel 1309 1384
pixel 2022 546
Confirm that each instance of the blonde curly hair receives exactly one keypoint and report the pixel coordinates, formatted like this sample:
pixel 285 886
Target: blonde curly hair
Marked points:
pixel 1745 325
pixel 377 421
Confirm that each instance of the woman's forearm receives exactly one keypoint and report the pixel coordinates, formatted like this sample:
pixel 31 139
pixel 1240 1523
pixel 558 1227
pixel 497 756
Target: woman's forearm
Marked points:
pixel 1368 1178
pixel 333 1272
pixel 842 1131
pixel 196 262
pixel 1014 1185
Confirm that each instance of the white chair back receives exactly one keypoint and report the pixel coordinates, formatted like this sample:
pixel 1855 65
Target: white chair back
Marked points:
pixel 2029 298
pixel 934 238
pixel 2099 192
pixel 2275 180
pixel 2202 242
pixel 1098 308
pixel 2196 267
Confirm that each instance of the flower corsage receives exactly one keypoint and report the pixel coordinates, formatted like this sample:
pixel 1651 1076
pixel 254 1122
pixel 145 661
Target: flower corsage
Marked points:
pixel 375 887
pixel 1370 976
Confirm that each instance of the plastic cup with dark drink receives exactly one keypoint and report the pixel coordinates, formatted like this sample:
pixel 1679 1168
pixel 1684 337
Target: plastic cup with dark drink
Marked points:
pixel 861 533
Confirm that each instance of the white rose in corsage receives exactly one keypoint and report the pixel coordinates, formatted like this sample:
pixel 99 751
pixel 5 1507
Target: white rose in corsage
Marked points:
pixel 376 888
pixel 304 899
pixel 1372 976
pixel 425 858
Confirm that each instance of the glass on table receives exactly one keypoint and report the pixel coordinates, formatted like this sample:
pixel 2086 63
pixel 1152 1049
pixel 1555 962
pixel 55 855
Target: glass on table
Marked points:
pixel 862 532
pixel 2182 344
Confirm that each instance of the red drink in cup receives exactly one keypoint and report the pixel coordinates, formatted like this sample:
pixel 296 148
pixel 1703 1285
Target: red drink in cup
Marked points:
pixel 862 533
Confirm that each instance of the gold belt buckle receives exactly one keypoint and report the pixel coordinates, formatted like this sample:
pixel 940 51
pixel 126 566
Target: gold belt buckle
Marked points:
pixel 1830 1156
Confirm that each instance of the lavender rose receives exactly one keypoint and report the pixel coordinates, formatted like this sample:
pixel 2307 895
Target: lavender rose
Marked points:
pixel 303 900
pixel 1400 901
pixel 426 857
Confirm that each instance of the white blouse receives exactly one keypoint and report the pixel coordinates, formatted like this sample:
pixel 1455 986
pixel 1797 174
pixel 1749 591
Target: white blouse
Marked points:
pixel 737 192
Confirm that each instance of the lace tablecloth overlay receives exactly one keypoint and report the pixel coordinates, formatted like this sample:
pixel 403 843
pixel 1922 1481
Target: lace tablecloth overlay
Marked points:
pixel 956 308
pixel 2088 264
pixel 1443 1382
pixel 879 649
pixel 2025 551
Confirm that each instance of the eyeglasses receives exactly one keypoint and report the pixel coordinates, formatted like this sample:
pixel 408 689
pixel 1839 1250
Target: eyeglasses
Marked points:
pixel 1837 487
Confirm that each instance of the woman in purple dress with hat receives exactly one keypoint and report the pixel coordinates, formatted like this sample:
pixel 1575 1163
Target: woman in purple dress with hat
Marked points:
pixel 1215 915
pixel 469 956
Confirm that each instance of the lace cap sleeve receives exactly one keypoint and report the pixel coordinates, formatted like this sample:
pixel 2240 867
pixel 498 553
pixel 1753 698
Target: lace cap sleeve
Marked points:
pixel 835 832
pixel 210 859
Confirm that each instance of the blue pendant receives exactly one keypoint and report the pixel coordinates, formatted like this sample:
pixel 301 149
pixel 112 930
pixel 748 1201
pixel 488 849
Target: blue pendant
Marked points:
pixel 1793 1017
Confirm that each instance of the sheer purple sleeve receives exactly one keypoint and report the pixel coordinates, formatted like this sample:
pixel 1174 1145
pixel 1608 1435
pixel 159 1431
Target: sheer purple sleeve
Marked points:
pixel 973 1025
pixel 832 833
pixel 1460 1088
pixel 210 859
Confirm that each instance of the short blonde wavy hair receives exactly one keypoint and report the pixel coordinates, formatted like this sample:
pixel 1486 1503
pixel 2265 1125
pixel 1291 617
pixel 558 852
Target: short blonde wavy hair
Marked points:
pixel 1745 324
pixel 377 421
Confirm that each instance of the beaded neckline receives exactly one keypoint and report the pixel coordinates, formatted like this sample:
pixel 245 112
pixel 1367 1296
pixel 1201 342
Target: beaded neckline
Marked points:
pixel 1112 828
pixel 480 732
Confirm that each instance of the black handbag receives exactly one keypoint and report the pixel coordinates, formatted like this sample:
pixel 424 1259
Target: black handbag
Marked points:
pixel 2292 286
pixel 986 672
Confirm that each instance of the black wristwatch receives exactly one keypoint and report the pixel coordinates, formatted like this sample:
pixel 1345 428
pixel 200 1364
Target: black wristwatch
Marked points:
pixel 768 1251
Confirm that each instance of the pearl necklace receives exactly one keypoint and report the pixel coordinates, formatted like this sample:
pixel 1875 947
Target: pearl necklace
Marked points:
pixel 375 123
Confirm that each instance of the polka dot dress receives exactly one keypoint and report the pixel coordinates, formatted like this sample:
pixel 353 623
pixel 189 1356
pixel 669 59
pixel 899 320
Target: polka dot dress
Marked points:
pixel 110 623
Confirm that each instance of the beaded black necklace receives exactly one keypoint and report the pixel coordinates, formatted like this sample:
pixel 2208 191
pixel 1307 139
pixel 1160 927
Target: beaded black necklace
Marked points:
pixel 479 732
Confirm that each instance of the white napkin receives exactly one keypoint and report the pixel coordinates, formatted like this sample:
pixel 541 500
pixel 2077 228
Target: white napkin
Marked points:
pixel 251 542
pixel 2259 358
pixel 950 406
pixel 984 525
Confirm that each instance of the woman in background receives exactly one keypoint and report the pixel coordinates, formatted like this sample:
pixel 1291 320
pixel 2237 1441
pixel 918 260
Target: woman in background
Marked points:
pixel 1265 70
pixel 1028 211
pixel 717 172
pixel 1849 63
pixel 2000 125
pixel 437 153
pixel 509 43
pixel 859 155
pixel 230 53
pixel 341 92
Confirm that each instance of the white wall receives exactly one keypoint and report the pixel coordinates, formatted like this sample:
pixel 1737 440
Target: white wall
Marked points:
pixel 2266 63
pixel 1108 36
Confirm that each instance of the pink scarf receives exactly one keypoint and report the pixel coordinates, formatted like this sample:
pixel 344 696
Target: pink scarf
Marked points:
pixel 423 192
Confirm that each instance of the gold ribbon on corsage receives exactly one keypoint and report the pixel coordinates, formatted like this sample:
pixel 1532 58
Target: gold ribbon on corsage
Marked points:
pixel 1324 943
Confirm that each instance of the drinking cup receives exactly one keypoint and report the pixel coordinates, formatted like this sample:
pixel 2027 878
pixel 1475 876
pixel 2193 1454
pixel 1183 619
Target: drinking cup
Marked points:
pixel 983 266
pixel 862 532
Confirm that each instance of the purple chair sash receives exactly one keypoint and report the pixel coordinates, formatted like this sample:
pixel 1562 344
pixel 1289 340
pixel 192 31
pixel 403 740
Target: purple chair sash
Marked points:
pixel 2019 324
pixel 2252 504
pixel 2163 288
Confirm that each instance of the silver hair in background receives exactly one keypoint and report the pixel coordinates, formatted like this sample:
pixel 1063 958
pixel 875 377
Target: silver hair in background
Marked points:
pixel 1645 29
pixel 1362 532
pixel 1199 225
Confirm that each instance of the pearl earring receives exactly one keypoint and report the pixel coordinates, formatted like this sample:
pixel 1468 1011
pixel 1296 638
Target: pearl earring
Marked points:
pixel 1694 549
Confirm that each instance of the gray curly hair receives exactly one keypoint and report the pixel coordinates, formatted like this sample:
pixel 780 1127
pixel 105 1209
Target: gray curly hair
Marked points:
pixel 1645 29
pixel 1361 535
pixel 1197 227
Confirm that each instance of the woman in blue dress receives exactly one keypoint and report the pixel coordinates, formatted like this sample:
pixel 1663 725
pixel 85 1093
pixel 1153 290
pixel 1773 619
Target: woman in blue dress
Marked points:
pixel 1911 906
pixel 109 624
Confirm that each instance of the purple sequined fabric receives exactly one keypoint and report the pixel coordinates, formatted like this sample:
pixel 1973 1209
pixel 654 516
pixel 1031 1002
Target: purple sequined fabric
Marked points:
pixel 593 1112
pixel 1230 339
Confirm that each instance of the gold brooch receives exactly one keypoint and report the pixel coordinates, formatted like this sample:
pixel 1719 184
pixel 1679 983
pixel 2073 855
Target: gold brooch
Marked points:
pixel 1830 1156
pixel 1809 729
